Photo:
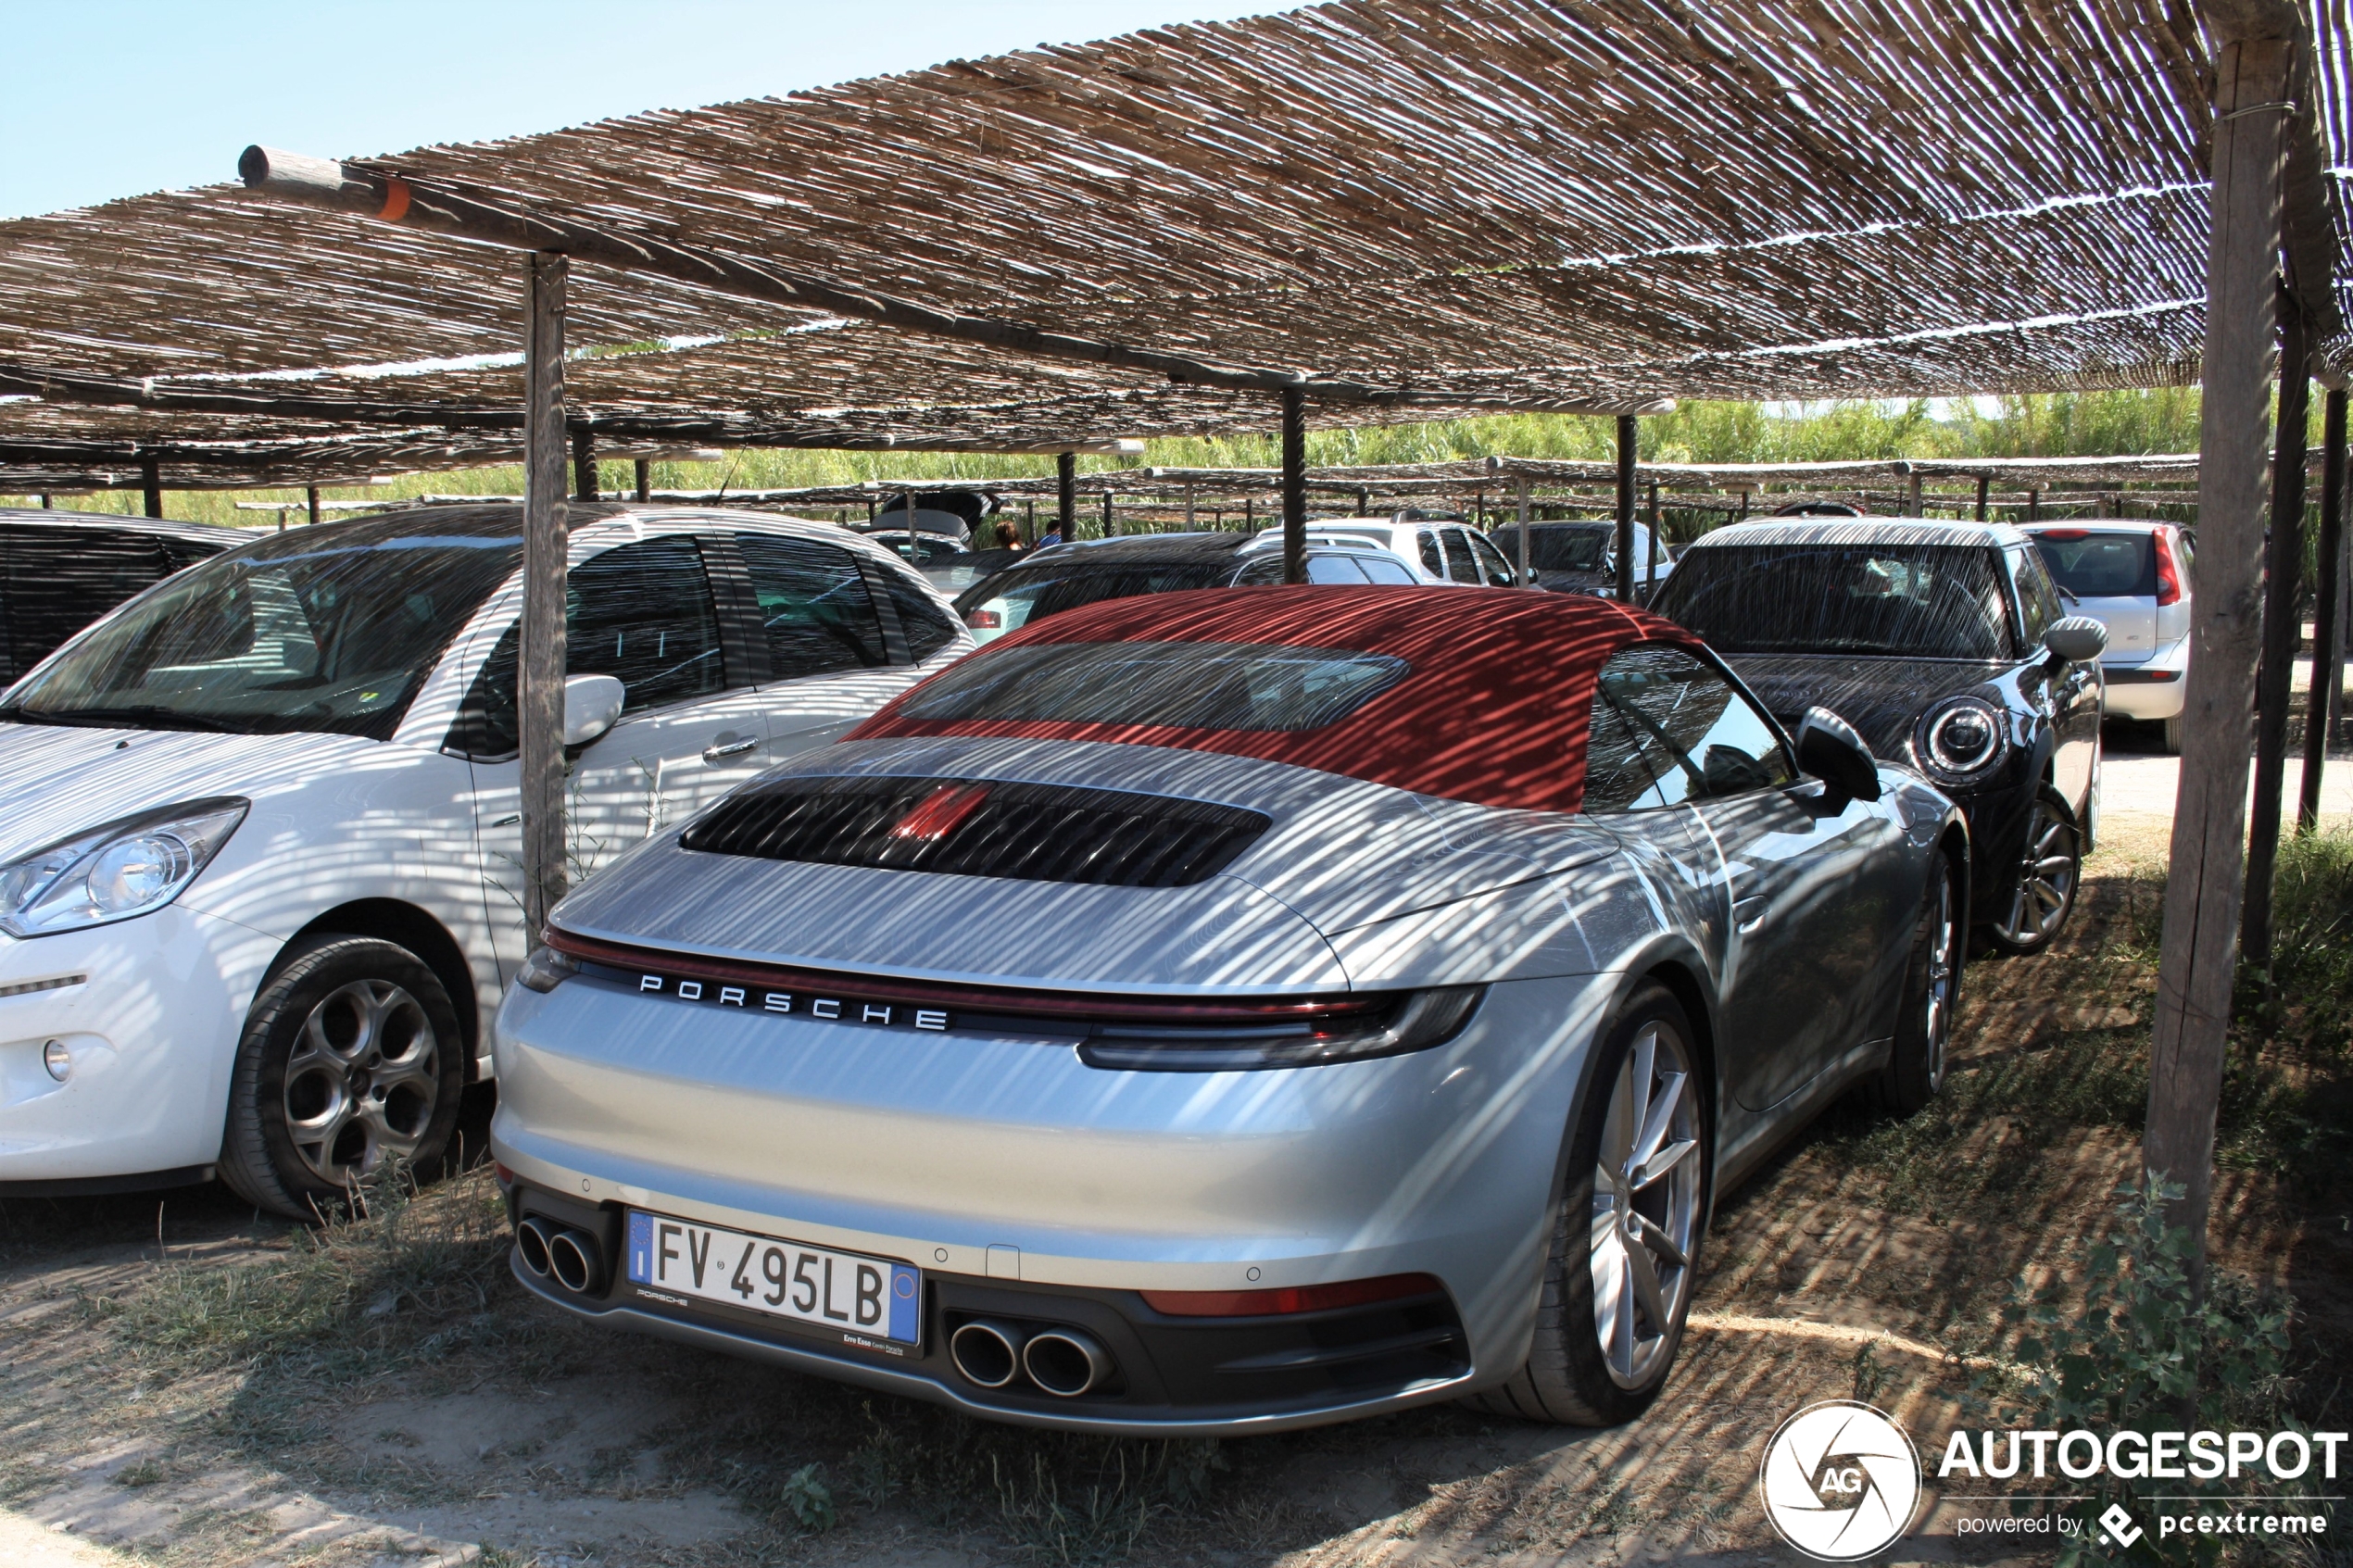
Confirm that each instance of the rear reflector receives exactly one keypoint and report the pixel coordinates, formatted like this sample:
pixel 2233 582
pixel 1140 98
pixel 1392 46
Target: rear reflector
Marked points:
pixel 1289 1298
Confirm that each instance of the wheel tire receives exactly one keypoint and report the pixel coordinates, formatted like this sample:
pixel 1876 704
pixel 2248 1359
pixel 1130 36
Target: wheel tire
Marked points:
pixel 352 1055
pixel 2172 737
pixel 2052 837
pixel 1568 1378
pixel 1916 1064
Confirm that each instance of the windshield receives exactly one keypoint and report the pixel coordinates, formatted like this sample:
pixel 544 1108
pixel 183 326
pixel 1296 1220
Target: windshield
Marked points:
pixel 329 630
pixel 2100 566
pixel 1012 599
pixel 1926 601
pixel 1179 685
pixel 1573 547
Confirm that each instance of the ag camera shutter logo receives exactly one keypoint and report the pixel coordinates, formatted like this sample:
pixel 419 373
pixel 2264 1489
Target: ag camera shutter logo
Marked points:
pixel 1840 1481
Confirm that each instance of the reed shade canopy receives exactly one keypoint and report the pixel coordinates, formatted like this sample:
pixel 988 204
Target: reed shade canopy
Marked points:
pixel 1400 207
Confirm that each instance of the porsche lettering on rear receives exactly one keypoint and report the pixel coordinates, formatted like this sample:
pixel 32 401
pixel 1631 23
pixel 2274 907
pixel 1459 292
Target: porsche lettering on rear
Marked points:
pixel 830 1008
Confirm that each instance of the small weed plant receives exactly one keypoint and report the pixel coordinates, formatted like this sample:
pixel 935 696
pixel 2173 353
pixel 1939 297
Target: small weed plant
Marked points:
pixel 2139 1350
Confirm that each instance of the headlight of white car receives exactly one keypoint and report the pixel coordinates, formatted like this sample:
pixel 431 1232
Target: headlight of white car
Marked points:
pixel 118 872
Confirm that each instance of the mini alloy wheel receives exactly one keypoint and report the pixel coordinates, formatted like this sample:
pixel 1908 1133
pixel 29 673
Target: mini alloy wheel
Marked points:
pixel 1917 1058
pixel 2047 872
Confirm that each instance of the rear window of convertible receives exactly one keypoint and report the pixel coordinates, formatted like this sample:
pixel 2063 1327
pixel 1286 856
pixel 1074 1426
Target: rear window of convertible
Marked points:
pixel 1178 686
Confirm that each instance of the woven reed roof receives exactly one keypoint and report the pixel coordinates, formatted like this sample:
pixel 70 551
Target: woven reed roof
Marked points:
pixel 1499 202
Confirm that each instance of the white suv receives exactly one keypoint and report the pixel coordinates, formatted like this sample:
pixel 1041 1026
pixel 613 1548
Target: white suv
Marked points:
pixel 1437 551
pixel 2133 579
pixel 260 851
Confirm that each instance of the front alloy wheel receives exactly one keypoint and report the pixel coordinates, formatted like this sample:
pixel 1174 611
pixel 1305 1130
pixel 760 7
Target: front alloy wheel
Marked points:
pixel 2048 873
pixel 1617 1279
pixel 362 1082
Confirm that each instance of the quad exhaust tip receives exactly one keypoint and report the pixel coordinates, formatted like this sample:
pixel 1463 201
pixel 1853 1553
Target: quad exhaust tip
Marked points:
pixel 986 1352
pixel 576 1260
pixel 531 1237
pixel 1066 1362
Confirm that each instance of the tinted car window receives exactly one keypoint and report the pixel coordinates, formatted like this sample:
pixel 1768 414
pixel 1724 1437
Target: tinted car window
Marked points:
pixel 814 607
pixel 1431 561
pixel 1333 568
pixel 1267 571
pixel 1182 686
pixel 1617 774
pixel 927 626
pixel 57 581
pixel 2038 600
pixel 1559 546
pixel 1698 737
pixel 328 630
pixel 1497 571
pixel 1044 587
pixel 1460 566
pixel 1385 568
pixel 1928 601
pixel 2101 566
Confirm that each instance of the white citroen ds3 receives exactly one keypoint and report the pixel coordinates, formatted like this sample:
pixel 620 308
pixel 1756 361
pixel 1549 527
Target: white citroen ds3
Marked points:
pixel 260 851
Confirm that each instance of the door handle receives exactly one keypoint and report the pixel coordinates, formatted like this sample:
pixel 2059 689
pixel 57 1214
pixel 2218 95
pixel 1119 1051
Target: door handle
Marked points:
pixel 1749 913
pixel 723 748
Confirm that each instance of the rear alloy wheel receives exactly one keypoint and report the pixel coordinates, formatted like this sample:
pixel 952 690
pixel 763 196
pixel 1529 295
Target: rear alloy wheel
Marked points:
pixel 351 1063
pixel 1618 1280
pixel 2039 903
pixel 1915 1070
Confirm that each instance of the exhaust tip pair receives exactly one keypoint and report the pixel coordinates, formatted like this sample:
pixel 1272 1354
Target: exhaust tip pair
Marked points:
pixel 572 1257
pixel 1066 1362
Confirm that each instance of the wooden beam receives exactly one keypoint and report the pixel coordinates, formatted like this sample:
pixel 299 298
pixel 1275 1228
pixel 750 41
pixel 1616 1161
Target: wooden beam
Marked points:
pixel 151 483
pixel 1294 486
pixel 1984 484
pixel 445 210
pixel 2197 959
pixel 2283 564
pixel 311 496
pixel 546 532
pixel 2328 609
pixel 644 480
pixel 1066 493
pixel 1627 438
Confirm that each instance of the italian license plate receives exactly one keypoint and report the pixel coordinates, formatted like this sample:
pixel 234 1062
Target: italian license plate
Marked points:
pixel 862 1299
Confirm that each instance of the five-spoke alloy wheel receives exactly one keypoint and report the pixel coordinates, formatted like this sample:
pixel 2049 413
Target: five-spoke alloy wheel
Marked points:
pixel 352 1061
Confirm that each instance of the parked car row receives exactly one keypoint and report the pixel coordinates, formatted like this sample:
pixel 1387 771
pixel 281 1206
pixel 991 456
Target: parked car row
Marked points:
pixel 1212 1006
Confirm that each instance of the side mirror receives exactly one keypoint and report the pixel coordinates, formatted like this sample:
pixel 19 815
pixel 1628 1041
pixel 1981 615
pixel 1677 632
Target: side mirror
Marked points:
pixel 1829 749
pixel 2077 639
pixel 591 704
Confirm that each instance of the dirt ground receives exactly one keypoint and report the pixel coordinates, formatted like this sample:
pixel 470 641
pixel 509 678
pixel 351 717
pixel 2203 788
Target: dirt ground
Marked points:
pixel 188 1385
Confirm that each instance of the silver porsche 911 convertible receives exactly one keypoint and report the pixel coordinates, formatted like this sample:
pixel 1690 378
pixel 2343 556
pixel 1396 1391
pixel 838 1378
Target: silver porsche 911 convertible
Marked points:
pixel 1216 1012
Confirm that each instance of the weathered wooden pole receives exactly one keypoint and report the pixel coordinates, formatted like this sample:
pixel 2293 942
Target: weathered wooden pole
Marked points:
pixel 1649 568
pixel 1984 484
pixel 2033 506
pixel 1912 497
pixel 2283 570
pixel 584 464
pixel 151 482
pixel 2328 611
pixel 1627 438
pixel 1107 522
pixel 1066 492
pixel 644 480
pixel 1294 486
pixel 2198 957
pixel 1364 501
pixel 1189 508
pixel 540 701
pixel 311 496
pixel 1522 499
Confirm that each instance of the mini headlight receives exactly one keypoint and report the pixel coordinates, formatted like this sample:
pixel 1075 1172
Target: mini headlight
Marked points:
pixel 1962 739
pixel 122 870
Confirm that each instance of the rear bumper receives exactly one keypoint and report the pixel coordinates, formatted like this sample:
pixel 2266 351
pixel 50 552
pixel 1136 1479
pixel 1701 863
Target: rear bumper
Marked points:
pixel 2151 688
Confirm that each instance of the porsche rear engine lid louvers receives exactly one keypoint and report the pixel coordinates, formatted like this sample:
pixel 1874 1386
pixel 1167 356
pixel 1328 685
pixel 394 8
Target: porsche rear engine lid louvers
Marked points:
pixel 977 827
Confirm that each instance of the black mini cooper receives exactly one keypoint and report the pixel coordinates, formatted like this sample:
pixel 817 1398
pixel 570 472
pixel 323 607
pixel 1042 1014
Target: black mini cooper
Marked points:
pixel 1947 645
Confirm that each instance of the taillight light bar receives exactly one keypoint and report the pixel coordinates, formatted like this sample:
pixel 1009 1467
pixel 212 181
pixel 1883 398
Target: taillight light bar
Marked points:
pixel 1285 1299
pixel 2169 575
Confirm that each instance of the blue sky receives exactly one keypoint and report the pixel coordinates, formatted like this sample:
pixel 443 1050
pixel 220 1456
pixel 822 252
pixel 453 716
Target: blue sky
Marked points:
pixel 107 98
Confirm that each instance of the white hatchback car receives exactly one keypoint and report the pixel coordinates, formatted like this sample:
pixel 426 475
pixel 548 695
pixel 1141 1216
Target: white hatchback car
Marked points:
pixel 2133 578
pixel 1438 551
pixel 260 851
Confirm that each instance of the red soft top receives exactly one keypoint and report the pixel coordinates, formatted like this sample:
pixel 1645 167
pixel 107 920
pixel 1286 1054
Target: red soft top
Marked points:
pixel 1494 712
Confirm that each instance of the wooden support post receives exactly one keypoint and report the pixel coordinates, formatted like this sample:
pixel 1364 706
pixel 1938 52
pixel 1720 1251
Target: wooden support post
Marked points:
pixel 1294 485
pixel 1912 497
pixel 584 464
pixel 151 482
pixel 47 504
pixel 2328 611
pixel 1189 508
pixel 540 699
pixel 1363 502
pixel 311 496
pixel 1066 492
pixel 1650 567
pixel 644 480
pixel 1523 533
pixel 2033 505
pixel 1107 522
pixel 2197 961
pixel 1984 484
pixel 2283 567
pixel 1028 521
pixel 1250 515
pixel 1627 438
